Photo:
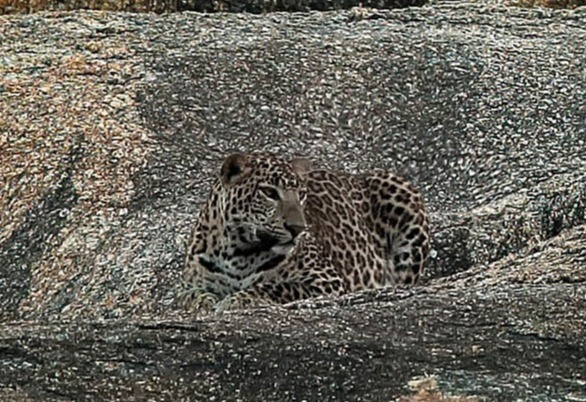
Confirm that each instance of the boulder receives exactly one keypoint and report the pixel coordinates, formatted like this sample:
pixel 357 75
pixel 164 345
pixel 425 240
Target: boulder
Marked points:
pixel 114 125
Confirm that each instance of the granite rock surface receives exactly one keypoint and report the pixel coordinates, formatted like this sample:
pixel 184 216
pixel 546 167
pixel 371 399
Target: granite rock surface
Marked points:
pixel 113 125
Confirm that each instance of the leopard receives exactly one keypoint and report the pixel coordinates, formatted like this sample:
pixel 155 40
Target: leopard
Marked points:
pixel 276 230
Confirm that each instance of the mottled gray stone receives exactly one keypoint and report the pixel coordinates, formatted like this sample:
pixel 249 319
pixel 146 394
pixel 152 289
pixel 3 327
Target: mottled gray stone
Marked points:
pixel 483 107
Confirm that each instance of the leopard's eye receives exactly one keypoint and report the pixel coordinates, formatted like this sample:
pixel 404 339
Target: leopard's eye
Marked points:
pixel 270 192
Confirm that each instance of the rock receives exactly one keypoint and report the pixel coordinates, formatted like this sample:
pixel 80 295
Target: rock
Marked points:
pixel 107 151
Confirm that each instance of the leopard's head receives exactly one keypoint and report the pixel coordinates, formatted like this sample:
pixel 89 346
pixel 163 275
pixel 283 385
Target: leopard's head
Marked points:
pixel 264 198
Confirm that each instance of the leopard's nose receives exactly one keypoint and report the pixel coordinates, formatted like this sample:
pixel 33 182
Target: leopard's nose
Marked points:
pixel 295 230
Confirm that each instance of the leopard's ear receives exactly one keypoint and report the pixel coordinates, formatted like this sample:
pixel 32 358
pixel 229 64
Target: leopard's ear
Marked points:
pixel 234 168
pixel 301 166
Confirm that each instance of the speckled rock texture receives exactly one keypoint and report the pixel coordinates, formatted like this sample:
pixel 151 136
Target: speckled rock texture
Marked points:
pixel 113 125
pixel 212 6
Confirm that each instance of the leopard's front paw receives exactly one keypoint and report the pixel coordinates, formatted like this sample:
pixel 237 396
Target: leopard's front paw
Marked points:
pixel 197 300
pixel 204 301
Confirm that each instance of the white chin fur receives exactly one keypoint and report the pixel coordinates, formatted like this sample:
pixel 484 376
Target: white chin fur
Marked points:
pixel 283 249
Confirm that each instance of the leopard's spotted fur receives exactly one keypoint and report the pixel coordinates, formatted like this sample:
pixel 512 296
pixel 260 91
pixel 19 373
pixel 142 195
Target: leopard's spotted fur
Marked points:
pixel 275 231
